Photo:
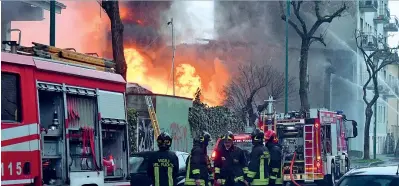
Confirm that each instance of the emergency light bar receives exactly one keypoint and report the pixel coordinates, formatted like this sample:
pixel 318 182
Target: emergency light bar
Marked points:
pixel 291 121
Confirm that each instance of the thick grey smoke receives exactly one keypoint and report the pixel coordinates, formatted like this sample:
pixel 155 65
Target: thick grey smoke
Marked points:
pixel 192 20
pixel 257 27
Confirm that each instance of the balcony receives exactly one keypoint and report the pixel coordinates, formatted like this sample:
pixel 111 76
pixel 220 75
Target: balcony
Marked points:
pixel 393 25
pixel 383 16
pixel 369 42
pixel 368 6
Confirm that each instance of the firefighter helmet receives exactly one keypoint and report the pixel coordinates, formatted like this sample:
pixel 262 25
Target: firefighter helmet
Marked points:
pixel 205 137
pixel 271 135
pixel 228 136
pixel 257 136
pixel 164 140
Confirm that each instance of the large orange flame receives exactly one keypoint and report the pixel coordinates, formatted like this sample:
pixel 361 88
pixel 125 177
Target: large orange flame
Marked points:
pixel 85 26
pixel 187 79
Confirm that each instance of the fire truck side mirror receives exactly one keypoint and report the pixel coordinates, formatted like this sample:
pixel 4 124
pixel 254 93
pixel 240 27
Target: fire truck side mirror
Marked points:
pixel 354 124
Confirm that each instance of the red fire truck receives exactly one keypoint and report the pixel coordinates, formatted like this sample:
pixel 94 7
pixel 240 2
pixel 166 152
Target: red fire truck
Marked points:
pixel 314 145
pixel 63 119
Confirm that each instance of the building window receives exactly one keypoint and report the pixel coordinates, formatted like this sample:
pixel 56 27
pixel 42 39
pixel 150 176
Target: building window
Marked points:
pixel 10 98
pixel 361 25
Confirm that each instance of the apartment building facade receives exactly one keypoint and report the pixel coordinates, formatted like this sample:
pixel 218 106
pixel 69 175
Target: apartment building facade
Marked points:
pixel 376 23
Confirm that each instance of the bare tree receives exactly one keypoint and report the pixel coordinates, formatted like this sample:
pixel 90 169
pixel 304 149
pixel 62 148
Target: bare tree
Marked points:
pixel 248 83
pixel 112 10
pixel 375 57
pixel 308 37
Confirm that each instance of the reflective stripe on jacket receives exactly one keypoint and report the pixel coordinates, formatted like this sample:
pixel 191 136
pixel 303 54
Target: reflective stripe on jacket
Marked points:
pixel 162 168
pixel 230 165
pixel 275 163
pixel 258 169
pixel 197 167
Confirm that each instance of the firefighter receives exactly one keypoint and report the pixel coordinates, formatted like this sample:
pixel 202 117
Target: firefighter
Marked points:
pixel 275 157
pixel 163 165
pixel 198 164
pixel 258 169
pixel 230 164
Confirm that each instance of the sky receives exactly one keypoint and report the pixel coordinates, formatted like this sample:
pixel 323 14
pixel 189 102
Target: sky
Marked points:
pixel 394 8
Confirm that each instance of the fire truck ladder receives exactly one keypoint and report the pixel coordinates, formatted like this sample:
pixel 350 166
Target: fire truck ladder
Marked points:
pixel 153 116
pixel 309 146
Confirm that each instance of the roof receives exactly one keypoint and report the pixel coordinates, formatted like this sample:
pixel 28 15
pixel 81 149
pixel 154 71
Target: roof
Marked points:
pixel 138 90
pixel 46 5
pixel 62 68
pixel 387 170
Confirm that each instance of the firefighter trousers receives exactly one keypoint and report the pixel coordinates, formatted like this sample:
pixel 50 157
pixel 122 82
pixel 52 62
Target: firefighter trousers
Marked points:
pixel 238 181
pixel 276 177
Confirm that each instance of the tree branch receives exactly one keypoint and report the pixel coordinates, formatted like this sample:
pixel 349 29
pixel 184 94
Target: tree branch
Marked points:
pixel 297 7
pixel 324 19
pixel 319 39
pixel 293 25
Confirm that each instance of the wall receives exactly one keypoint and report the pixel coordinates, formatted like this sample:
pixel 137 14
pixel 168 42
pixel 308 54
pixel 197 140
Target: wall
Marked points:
pixel 172 115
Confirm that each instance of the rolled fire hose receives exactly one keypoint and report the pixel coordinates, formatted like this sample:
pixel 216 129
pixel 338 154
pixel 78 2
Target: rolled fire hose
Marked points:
pixel 291 166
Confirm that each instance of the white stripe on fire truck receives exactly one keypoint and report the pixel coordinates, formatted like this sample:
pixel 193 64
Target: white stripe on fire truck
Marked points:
pixel 13 182
pixel 24 146
pixel 20 131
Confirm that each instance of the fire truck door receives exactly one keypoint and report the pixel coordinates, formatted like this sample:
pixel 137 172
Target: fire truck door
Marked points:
pixel 334 142
pixel 342 135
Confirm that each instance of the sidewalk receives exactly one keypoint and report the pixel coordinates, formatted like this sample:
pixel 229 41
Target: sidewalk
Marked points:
pixel 382 160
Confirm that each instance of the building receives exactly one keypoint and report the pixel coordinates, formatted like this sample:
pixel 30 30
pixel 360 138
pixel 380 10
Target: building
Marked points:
pixel 23 11
pixel 375 22
pixel 172 116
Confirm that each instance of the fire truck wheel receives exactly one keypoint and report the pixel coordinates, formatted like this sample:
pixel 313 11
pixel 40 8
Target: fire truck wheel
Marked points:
pixel 347 165
pixel 329 179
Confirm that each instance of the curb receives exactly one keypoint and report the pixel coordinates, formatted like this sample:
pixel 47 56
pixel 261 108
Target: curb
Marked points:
pixel 375 163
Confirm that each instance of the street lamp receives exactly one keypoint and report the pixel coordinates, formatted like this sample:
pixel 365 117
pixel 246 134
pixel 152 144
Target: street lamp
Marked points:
pixel 173 55
pixel 286 57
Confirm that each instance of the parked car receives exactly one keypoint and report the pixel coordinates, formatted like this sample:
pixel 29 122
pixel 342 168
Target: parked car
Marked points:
pixel 371 176
pixel 138 168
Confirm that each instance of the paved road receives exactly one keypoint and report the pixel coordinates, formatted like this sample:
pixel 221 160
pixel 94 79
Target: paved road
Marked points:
pixel 386 160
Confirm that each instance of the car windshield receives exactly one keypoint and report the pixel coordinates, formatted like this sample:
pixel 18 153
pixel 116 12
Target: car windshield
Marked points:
pixel 137 164
pixel 244 145
pixel 370 180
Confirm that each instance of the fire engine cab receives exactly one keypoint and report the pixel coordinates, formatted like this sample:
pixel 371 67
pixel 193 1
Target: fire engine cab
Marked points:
pixel 63 119
pixel 315 145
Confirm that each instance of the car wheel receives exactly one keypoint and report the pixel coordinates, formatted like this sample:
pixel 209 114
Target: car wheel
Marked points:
pixel 331 178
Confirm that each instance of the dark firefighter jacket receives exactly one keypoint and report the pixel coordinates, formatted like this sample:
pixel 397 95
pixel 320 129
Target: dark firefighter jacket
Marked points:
pixel 197 166
pixel 275 163
pixel 162 168
pixel 230 165
pixel 258 168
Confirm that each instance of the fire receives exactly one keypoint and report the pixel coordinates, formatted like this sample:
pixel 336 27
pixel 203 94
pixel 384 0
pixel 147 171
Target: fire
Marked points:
pixel 187 80
pixel 194 67
pixel 139 70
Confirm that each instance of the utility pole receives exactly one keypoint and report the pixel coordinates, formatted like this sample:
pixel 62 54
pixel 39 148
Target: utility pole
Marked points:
pixel 286 57
pixel 173 55
pixel 52 22
pixel 375 128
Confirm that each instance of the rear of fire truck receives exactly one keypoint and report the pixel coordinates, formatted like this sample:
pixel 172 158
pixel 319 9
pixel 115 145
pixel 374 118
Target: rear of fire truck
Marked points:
pixel 300 139
pixel 80 104
pixel 308 143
